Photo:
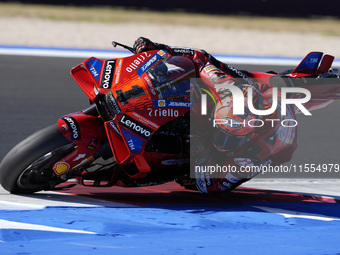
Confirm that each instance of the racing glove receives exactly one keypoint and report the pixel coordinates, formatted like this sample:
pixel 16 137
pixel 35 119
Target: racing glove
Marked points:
pixel 144 44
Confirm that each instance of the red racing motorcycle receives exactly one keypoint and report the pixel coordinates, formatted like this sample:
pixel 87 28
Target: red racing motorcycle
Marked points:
pixel 136 131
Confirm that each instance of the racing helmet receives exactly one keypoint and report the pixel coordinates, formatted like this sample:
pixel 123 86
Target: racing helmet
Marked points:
pixel 230 131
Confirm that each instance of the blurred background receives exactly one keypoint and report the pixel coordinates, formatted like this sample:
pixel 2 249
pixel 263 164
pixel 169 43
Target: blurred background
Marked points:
pixel 247 27
pixel 272 8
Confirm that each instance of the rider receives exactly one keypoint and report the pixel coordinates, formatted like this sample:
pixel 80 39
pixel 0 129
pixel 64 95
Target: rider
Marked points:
pixel 238 147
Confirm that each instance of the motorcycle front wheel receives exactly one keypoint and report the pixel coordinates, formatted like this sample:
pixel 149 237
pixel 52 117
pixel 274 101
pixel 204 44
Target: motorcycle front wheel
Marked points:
pixel 27 168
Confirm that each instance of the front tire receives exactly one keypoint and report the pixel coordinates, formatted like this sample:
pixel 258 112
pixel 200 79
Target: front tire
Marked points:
pixel 27 168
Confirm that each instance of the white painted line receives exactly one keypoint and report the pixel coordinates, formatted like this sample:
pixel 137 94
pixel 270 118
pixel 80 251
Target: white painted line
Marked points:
pixel 259 60
pixel 327 189
pixel 44 199
pixel 295 214
pixel 5 224
pixel 7 205
pixel 114 53
pixel 62 52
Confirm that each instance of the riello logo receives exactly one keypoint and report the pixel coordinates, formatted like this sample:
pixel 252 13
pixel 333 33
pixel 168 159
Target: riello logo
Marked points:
pixel 238 100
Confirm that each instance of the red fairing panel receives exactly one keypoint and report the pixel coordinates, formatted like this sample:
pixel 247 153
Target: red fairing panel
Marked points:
pixel 85 131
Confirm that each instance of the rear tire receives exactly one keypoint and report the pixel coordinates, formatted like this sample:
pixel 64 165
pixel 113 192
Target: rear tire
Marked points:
pixel 27 168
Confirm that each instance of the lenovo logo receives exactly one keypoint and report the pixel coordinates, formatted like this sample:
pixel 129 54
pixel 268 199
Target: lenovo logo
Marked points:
pixel 135 126
pixel 107 74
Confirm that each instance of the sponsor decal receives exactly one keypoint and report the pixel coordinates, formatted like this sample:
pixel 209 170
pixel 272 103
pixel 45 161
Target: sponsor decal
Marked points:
pixel 201 182
pixel 161 103
pixel 135 126
pixel 240 74
pixel 118 70
pixel 94 66
pixel 134 143
pixel 64 127
pixel 175 162
pixel 161 53
pixel 60 167
pixel 150 85
pixel 225 185
pixel 155 58
pixel 107 75
pixel 232 179
pixel 106 111
pixel 214 73
pixel 80 156
pixel 73 127
pixel 114 127
pixel 145 120
pixel 311 61
pixel 183 51
pixel 137 61
pixel 161 112
pixel 171 103
pixel 208 180
pixel 180 104
pixel 209 67
pixel 243 162
pixel 149 63
pixel 112 103
pixel 93 143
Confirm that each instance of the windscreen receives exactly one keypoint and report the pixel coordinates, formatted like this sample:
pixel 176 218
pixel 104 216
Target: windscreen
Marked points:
pixel 171 78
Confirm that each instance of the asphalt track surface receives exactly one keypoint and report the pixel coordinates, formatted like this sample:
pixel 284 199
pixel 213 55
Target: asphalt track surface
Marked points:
pixel 280 216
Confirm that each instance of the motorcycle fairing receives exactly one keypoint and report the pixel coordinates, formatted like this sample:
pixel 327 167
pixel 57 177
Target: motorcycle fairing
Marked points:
pixel 309 65
pixel 137 109
pixel 326 64
pixel 323 91
pixel 87 75
pixel 127 148
pixel 314 63
pixel 94 65
pixel 86 132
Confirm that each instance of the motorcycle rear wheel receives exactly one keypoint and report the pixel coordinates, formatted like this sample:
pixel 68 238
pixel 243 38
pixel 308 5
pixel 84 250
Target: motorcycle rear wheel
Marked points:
pixel 27 168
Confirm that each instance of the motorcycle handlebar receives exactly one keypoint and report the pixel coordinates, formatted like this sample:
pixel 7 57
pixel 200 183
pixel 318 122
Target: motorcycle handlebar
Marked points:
pixel 115 44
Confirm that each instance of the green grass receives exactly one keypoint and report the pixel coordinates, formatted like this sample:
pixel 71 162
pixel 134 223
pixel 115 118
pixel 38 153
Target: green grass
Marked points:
pixel 324 26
